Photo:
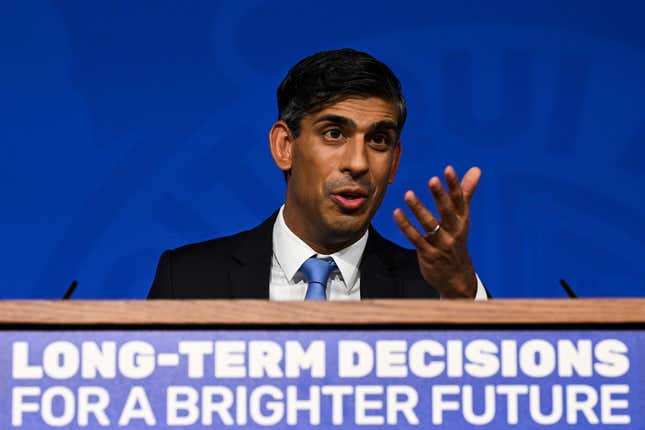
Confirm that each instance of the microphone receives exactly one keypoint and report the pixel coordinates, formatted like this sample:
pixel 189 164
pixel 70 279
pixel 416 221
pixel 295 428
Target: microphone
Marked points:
pixel 568 289
pixel 70 290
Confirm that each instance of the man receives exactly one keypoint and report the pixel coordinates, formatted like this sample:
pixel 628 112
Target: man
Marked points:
pixel 337 140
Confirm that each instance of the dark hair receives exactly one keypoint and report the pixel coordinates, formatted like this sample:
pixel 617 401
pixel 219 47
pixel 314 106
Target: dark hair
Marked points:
pixel 328 77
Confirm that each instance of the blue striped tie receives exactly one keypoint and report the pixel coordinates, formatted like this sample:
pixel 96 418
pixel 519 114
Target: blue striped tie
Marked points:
pixel 317 272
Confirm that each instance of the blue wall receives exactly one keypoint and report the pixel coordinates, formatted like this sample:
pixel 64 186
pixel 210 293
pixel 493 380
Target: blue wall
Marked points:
pixel 130 127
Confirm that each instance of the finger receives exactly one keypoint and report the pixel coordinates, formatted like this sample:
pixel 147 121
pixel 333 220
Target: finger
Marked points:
pixel 410 231
pixel 454 189
pixel 421 213
pixel 443 203
pixel 469 183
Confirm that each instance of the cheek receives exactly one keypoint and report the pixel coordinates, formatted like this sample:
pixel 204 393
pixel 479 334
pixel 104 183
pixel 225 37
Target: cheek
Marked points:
pixel 318 170
pixel 312 181
pixel 382 165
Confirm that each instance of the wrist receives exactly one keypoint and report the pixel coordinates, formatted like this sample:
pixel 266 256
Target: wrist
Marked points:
pixel 463 286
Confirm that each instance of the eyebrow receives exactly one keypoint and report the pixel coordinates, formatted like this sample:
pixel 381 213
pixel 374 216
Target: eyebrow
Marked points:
pixel 385 124
pixel 337 119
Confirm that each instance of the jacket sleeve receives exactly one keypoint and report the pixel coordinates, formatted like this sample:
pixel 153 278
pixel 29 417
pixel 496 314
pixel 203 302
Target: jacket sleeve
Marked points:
pixel 162 284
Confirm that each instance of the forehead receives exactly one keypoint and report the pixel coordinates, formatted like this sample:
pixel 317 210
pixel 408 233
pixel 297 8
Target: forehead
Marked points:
pixel 363 112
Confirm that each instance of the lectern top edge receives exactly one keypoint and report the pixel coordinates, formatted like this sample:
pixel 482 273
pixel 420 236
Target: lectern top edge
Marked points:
pixel 540 312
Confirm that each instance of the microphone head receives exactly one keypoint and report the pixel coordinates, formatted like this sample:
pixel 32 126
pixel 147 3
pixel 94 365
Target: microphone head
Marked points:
pixel 70 290
pixel 568 289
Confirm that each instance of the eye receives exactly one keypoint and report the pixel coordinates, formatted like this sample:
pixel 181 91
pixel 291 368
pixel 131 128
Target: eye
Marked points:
pixel 380 141
pixel 379 138
pixel 333 134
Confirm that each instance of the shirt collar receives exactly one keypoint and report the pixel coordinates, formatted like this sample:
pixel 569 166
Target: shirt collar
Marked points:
pixel 291 252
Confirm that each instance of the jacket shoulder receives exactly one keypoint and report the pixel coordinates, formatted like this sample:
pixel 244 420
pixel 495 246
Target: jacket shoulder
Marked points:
pixel 219 246
pixel 194 270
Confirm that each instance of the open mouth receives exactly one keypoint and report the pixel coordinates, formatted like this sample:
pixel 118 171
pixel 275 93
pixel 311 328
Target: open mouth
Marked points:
pixel 349 200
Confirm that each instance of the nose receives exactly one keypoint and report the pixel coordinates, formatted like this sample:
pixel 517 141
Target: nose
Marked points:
pixel 354 160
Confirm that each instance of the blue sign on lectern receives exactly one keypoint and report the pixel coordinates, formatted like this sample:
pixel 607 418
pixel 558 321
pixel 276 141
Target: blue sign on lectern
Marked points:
pixel 403 379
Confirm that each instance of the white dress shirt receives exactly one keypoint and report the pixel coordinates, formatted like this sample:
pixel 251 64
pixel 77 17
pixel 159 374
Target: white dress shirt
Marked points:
pixel 289 252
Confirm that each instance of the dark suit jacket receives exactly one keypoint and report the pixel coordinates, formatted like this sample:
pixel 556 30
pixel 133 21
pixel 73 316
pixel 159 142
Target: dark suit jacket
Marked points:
pixel 239 267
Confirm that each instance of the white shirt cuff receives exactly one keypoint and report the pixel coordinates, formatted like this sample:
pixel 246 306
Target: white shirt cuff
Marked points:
pixel 481 291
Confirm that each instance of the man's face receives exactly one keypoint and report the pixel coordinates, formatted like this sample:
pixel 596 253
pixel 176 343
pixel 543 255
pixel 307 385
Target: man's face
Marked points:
pixel 341 164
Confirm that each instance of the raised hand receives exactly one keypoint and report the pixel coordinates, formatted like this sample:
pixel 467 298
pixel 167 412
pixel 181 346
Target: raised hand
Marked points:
pixel 442 248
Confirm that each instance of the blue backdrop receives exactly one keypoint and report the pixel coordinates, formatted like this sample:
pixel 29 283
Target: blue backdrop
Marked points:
pixel 130 127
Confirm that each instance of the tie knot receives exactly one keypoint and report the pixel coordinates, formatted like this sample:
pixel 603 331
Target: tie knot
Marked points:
pixel 317 270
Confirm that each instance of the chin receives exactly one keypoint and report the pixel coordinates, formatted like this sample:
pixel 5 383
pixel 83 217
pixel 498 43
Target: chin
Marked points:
pixel 347 226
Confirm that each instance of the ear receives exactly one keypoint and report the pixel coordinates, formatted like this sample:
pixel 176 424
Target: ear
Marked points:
pixel 281 141
pixel 395 162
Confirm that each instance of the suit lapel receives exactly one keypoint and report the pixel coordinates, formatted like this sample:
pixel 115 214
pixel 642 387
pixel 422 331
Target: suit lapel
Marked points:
pixel 379 269
pixel 251 268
